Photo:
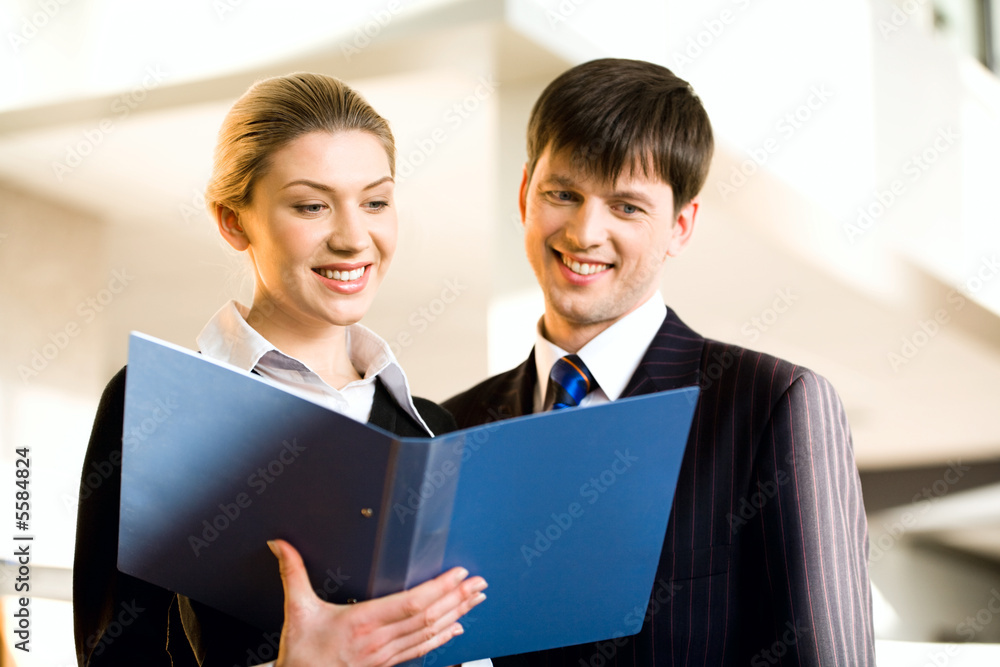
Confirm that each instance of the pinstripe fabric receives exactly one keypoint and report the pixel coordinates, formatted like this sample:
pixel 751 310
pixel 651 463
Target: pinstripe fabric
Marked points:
pixel 765 556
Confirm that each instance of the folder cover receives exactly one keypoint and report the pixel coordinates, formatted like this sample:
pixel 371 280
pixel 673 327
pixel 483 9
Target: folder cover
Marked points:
pixel 563 513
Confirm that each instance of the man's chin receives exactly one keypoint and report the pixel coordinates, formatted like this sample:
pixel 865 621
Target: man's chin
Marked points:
pixel 581 312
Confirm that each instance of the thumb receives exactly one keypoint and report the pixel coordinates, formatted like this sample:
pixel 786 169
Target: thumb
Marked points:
pixel 299 593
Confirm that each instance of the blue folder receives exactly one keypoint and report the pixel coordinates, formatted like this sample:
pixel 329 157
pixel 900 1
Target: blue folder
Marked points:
pixel 564 513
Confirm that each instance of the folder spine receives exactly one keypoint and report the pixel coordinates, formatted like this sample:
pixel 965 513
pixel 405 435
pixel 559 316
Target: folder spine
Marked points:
pixel 396 525
pixel 437 500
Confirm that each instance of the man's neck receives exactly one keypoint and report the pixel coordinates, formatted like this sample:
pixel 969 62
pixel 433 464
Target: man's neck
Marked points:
pixel 571 336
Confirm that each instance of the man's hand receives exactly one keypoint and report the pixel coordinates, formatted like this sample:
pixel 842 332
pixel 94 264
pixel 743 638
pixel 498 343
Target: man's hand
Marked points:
pixel 383 631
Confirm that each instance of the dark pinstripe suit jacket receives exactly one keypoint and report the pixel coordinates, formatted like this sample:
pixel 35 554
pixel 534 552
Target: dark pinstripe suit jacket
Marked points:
pixel 765 559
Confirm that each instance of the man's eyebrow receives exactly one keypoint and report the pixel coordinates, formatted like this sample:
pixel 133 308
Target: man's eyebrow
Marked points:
pixel 326 188
pixel 562 181
pixel 559 180
pixel 633 195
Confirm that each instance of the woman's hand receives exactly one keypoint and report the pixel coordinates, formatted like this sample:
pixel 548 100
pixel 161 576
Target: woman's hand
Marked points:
pixel 383 631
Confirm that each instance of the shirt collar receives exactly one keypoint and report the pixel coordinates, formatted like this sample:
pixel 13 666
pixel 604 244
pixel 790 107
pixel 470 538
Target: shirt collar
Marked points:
pixel 228 338
pixel 614 354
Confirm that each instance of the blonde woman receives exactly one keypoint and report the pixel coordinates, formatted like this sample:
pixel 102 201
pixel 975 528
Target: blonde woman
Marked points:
pixel 302 183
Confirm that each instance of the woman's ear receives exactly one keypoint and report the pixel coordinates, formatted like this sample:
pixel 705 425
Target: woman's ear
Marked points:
pixel 231 227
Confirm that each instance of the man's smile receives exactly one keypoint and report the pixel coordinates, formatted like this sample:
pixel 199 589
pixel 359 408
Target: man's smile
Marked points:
pixel 582 268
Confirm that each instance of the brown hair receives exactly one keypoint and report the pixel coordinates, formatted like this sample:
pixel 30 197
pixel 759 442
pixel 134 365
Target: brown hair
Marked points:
pixel 274 112
pixel 618 115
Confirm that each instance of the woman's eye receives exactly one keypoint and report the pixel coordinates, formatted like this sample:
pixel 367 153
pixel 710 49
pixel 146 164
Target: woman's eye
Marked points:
pixel 310 208
pixel 377 205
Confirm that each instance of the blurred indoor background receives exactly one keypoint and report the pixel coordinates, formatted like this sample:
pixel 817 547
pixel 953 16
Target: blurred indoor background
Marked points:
pixel 850 223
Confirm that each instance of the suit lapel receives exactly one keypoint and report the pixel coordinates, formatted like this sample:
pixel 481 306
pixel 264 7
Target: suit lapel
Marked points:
pixel 672 360
pixel 519 399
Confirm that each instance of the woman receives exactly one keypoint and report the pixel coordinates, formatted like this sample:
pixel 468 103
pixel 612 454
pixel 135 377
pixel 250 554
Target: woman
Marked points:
pixel 303 183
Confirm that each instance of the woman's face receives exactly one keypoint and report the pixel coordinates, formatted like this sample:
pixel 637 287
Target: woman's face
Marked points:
pixel 322 228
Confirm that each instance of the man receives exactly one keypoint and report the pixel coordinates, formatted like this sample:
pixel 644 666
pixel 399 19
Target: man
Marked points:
pixel 765 556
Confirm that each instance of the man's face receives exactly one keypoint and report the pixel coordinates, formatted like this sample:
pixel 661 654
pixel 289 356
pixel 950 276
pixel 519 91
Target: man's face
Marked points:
pixel 597 249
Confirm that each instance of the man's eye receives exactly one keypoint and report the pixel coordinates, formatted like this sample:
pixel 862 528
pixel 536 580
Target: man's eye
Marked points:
pixel 629 209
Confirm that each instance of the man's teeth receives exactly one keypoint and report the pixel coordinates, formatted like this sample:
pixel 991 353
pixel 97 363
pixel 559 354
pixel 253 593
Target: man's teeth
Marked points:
pixel 345 276
pixel 584 269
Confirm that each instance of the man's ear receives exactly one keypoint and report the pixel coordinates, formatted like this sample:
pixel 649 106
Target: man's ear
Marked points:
pixel 522 196
pixel 683 227
pixel 231 227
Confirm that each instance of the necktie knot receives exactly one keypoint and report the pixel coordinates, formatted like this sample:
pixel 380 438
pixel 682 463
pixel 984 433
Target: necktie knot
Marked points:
pixel 569 381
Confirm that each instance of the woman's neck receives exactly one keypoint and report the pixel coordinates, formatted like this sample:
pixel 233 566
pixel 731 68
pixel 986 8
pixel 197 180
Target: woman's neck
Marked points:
pixel 322 348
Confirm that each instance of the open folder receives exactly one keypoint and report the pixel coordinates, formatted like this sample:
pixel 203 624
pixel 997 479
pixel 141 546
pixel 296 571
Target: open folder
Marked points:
pixel 564 513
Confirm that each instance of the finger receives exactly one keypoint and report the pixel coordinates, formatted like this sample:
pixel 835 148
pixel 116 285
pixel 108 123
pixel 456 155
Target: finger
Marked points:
pixel 402 606
pixel 459 601
pixel 294 578
pixel 422 649
pixel 440 618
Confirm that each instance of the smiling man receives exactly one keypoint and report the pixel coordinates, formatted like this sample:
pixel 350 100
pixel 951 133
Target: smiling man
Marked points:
pixel 617 153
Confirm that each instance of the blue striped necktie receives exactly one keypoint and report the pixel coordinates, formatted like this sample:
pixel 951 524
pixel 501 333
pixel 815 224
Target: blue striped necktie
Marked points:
pixel 569 382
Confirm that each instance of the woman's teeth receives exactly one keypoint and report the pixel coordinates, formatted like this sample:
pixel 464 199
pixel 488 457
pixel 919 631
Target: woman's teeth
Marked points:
pixel 584 269
pixel 345 276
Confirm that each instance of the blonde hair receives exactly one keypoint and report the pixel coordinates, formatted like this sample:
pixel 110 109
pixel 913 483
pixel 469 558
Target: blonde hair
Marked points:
pixel 274 112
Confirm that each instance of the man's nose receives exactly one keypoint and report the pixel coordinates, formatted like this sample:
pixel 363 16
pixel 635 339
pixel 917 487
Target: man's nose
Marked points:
pixel 587 227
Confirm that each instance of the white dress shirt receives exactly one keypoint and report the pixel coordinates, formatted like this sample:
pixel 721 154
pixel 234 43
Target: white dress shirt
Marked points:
pixel 228 338
pixel 612 356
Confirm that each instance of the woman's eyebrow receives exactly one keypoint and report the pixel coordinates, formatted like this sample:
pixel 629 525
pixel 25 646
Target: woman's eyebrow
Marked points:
pixel 326 188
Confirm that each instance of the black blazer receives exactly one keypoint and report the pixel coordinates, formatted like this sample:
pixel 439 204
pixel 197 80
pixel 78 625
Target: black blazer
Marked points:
pixel 121 620
pixel 765 559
